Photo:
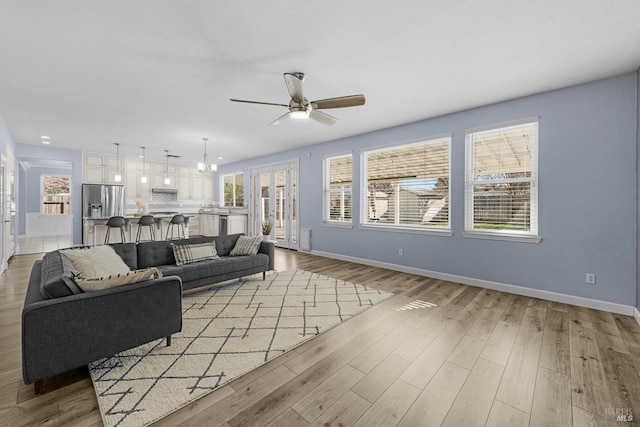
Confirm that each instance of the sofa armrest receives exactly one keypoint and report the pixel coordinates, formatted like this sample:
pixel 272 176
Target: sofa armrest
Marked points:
pixel 269 249
pixel 61 334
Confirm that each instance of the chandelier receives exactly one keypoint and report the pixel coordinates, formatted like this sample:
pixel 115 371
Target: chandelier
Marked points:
pixel 205 166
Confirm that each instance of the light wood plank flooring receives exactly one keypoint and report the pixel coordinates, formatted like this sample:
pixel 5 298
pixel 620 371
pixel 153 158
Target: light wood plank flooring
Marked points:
pixel 469 357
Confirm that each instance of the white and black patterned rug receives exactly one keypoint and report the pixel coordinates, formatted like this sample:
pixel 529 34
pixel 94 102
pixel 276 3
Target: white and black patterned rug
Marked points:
pixel 226 332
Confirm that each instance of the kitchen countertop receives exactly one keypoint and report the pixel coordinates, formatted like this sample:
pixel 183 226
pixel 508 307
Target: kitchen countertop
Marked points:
pixel 161 216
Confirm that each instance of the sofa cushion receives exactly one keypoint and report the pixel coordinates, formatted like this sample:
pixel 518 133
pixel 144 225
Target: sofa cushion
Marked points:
pixel 224 244
pixel 56 279
pixel 135 276
pixel 246 246
pixel 96 261
pixel 128 252
pixel 186 254
pixel 221 266
pixel 171 270
pixel 153 254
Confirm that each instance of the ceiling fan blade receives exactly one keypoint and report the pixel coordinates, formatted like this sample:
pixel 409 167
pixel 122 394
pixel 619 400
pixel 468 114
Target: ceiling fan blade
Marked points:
pixel 280 119
pixel 324 118
pixel 339 102
pixel 258 102
pixel 294 85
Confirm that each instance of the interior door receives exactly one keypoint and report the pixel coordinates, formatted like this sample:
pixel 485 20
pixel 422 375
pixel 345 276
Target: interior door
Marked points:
pixel 274 200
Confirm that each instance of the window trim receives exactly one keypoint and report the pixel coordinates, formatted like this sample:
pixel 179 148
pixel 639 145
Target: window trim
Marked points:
pixel 505 235
pixel 221 181
pixel 326 192
pixel 364 190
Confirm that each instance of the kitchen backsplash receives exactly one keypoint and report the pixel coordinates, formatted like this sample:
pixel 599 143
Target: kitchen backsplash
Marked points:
pixel 156 206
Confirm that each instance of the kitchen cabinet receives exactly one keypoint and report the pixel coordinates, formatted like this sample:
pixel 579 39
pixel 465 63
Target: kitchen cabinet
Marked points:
pixel 160 172
pixel 196 187
pixel 209 224
pixel 101 169
pixel 194 225
pixel 237 224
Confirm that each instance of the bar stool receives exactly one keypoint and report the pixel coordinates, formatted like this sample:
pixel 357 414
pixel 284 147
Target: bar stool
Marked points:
pixel 178 221
pixel 147 221
pixel 116 222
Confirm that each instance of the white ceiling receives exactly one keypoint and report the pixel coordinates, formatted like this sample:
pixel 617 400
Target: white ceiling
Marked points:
pixel 160 74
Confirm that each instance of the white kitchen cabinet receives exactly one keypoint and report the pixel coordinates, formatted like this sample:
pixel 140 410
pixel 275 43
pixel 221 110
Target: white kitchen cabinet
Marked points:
pixel 207 187
pixel 94 175
pixel 196 187
pixel 237 224
pixel 183 187
pixel 209 224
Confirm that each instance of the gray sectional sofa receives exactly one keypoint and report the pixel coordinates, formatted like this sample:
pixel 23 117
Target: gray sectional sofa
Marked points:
pixel 64 328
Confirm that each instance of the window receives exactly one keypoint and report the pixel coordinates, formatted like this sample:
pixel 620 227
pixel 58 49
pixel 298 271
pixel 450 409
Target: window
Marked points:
pixel 233 189
pixel 501 193
pixel 407 186
pixel 56 194
pixel 338 173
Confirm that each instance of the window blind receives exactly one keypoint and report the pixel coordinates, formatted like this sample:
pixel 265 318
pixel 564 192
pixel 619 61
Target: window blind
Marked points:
pixel 408 185
pixel 338 184
pixel 501 180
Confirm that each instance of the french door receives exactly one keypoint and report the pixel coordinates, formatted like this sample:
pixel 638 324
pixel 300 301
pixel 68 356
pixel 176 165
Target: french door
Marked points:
pixel 274 200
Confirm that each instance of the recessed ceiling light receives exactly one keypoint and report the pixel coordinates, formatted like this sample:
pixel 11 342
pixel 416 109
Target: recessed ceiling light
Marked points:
pixel 220 158
pixel 44 137
pixel 44 141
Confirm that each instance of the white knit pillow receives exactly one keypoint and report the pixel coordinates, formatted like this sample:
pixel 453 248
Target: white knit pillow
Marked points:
pixel 100 283
pixel 96 261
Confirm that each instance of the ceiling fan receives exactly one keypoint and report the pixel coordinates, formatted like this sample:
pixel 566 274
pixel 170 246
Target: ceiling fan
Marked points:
pixel 301 108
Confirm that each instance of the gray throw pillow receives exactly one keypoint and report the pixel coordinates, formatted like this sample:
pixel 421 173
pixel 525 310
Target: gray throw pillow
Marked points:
pixel 246 246
pixel 185 254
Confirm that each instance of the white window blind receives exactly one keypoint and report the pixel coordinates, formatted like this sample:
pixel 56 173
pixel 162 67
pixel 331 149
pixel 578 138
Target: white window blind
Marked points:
pixel 501 192
pixel 408 185
pixel 337 188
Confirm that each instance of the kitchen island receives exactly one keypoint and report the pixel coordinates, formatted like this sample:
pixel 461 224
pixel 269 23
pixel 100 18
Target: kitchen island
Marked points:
pixel 94 230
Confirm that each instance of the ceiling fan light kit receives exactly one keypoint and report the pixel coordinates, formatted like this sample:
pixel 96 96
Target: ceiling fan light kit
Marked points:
pixel 300 107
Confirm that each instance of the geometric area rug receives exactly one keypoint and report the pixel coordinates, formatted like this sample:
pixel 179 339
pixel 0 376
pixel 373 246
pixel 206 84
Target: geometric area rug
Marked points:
pixel 226 332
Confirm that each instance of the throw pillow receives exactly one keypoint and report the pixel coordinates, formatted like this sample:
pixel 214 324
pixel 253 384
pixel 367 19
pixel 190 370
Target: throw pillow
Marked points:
pixel 246 246
pixel 100 283
pixel 185 254
pixel 96 261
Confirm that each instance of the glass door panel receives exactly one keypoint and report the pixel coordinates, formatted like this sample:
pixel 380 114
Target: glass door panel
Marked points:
pixel 281 205
pixel 265 198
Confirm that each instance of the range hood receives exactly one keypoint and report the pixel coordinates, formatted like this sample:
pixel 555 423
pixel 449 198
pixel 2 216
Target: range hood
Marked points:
pixel 164 190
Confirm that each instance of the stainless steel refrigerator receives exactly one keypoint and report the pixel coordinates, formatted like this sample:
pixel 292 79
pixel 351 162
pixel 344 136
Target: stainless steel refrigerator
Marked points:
pixel 102 201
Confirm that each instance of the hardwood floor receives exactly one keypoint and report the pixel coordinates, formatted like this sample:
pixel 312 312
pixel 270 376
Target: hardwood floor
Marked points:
pixel 469 357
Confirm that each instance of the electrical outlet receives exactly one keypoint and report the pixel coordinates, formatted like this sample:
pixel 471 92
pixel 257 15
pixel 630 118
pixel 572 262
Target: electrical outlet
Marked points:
pixel 591 279
pixel 400 252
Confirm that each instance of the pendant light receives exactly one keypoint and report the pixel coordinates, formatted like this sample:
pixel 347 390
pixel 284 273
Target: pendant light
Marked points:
pixel 143 178
pixel 205 166
pixel 167 180
pixel 118 177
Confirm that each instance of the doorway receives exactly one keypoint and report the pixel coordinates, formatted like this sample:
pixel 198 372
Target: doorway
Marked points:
pixel 274 199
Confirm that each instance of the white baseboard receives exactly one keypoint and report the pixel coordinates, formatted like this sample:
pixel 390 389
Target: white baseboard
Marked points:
pixel 519 290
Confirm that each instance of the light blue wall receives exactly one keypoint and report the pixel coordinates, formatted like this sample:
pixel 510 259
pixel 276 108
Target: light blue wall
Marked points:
pixel 29 152
pixel 587 195
pixel 32 182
